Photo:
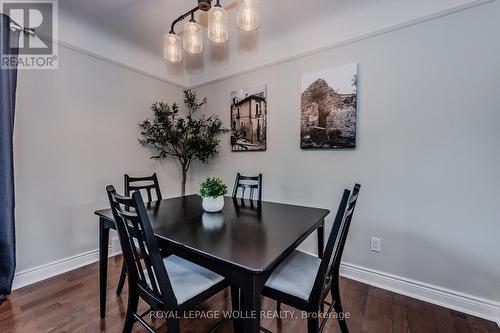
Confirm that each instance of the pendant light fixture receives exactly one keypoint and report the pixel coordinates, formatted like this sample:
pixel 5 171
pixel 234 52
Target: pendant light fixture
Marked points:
pixel 218 24
pixel 173 48
pixel 248 16
pixel 192 39
pixel 218 27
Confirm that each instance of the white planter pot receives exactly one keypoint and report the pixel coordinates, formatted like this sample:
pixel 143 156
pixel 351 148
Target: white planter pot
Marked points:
pixel 212 205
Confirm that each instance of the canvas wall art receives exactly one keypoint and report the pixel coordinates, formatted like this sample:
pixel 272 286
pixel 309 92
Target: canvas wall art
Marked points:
pixel 328 108
pixel 249 119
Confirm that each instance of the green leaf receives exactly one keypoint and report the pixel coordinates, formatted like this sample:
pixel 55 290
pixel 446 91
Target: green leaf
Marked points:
pixel 213 187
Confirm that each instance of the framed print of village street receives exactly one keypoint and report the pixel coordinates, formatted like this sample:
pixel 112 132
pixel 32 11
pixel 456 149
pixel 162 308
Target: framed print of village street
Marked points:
pixel 249 119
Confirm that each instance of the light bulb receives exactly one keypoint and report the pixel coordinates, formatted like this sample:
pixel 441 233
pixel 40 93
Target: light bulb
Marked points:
pixel 172 50
pixel 248 16
pixel 218 25
pixel 193 40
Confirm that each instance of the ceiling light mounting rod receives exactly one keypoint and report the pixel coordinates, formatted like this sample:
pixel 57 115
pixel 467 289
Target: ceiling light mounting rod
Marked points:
pixel 182 17
pixel 203 5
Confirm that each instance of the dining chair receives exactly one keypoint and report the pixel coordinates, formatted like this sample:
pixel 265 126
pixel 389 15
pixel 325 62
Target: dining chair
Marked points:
pixel 303 281
pixel 132 184
pixel 170 284
pixel 252 183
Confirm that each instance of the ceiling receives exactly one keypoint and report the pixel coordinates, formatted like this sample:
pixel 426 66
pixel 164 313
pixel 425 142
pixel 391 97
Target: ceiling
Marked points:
pixel 131 31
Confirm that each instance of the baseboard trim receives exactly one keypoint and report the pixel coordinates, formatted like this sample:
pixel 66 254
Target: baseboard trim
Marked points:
pixel 451 299
pixel 476 306
pixel 43 272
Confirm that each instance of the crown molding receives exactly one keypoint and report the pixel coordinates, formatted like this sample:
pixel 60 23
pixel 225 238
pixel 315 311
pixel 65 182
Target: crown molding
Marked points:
pixel 120 64
pixel 349 41
pixel 111 61
pixel 339 44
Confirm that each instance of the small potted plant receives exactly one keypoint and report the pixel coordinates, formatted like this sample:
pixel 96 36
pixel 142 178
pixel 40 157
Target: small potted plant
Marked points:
pixel 212 191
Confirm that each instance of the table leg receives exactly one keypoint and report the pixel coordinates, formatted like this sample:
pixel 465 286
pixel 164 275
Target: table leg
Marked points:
pixel 251 305
pixel 236 307
pixel 103 265
pixel 321 239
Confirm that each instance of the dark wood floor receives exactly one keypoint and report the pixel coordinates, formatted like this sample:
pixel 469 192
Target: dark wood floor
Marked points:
pixel 69 303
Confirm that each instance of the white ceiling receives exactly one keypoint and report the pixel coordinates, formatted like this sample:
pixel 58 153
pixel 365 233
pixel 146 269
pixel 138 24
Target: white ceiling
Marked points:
pixel 131 31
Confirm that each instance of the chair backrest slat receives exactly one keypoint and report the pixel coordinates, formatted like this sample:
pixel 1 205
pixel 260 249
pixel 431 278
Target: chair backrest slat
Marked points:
pixel 146 258
pixel 252 183
pixel 142 257
pixel 144 183
pixel 330 263
pixel 337 258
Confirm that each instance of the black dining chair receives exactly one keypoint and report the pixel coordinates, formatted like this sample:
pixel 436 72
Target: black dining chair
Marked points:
pixel 150 183
pixel 252 183
pixel 303 281
pixel 130 185
pixel 169 284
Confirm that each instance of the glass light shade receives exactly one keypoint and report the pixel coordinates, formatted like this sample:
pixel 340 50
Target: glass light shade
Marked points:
pixel 193 39
pixel 247 17
pixel 218 25
pixel 172 49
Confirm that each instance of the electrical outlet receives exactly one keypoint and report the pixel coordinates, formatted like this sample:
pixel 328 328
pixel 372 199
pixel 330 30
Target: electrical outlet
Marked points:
pixel 376 244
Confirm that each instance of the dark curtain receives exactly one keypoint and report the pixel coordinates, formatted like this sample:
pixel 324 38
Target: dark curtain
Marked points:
pixel 8 80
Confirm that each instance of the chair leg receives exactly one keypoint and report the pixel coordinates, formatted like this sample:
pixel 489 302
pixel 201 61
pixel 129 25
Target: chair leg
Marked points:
pixel 121 282
pixel 173 326
pixel 133 301
pixel 337 304
pixel 312 324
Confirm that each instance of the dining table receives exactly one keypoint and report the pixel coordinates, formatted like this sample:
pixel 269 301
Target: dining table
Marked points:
pixel 244 242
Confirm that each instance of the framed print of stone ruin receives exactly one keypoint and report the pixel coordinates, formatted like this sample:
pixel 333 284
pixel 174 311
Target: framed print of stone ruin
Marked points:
pixel 328 108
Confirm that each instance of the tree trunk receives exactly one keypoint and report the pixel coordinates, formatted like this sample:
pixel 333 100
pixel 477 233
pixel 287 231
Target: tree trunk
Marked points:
pixel 184 176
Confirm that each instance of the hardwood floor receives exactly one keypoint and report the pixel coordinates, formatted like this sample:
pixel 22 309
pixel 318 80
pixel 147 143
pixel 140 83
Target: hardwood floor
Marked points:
pixel 69 303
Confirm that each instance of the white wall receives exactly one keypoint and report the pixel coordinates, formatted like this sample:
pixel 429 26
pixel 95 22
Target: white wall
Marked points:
pixel 427 153
pixel 76 131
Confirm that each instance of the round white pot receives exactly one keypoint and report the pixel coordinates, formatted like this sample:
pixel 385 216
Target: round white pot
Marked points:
pixel 212 205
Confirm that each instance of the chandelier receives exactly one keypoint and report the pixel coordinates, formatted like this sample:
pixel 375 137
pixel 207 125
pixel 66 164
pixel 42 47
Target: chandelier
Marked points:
pixel 247 19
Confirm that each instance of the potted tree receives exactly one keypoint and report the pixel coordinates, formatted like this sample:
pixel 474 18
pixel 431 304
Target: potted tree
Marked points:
pixel 212 191
pixel 189 138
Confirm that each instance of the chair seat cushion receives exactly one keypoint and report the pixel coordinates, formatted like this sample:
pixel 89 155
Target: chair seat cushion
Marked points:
pixel 296 275
pixel 187 279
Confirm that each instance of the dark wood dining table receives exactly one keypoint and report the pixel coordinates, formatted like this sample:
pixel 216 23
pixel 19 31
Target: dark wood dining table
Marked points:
pixel 244 242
